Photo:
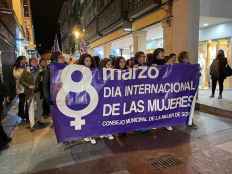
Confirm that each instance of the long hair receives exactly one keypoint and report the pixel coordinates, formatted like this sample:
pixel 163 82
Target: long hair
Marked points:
pixel 82 60
pixel 149 58
pixel 220 54
pixel 157 52
pixel 155 59
pixel 104 62
pixel 117 61
pixel 183 55
pixel 18 61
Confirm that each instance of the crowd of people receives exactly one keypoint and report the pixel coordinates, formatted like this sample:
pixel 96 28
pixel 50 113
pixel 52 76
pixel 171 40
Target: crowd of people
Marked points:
pixel 33 81
pixel 140 59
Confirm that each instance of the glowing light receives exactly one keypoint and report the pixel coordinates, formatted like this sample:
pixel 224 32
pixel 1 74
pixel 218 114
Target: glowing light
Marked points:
pixel 77 34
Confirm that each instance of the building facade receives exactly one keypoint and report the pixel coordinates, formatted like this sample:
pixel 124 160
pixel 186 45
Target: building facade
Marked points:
pixel 13 37
pixel 69 19
pixel 123 27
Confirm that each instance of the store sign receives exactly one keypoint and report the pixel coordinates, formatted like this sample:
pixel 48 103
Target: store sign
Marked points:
pixel 99 102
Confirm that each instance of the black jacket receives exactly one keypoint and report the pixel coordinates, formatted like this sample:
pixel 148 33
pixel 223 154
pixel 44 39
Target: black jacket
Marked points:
pixel 217 68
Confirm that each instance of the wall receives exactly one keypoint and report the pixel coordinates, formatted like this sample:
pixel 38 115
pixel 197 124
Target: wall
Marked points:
pixel 216 8
pixel 17 7
pixel 216 32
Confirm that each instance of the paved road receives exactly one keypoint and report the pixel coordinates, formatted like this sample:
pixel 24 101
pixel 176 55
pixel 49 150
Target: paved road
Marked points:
pixel 183 151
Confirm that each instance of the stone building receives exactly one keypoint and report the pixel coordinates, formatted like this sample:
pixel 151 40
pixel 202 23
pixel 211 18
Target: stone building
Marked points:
pixel 123 27
pixel 16 36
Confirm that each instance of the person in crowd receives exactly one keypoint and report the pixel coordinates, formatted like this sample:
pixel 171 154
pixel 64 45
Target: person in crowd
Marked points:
pixel 140 59
pixel 130 63
pixel 183 58
pixel 97 61
pixel 72 61
pixel 43 85
pixel 158 57
pixel 54 57
pixel 28 83
pixel 61 59
pixel 4 139
pixel 120 63
pixel 18 69
pixel 171 59
pixel 35 102
pixel 217 72
pixel 88 61
pixel 149 58
pixel 106 63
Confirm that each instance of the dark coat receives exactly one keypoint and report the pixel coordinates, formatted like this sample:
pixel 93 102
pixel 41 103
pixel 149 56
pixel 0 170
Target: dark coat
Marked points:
pixel 3 92
pixel 217 68
pixel 43 83
pixel 158 62
pixel 27 80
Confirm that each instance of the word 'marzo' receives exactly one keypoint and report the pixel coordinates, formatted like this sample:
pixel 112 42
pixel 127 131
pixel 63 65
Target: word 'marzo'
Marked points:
pixel 142 72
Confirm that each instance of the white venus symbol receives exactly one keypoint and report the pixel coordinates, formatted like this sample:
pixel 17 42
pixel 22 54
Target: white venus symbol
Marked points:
pixel 68 85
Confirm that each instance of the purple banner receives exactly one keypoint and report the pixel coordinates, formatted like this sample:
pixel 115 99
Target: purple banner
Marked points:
pixel 100 102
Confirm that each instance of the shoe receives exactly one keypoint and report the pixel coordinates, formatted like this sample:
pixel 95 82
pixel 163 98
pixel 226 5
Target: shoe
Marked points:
pixel 93 141
pixel 220 97
pixel 87 139
pixel 41 125
pixel 212 96
pixel 110 137
pixel 169 128
pixel 4 146
pixel 193 126
pixel 8 140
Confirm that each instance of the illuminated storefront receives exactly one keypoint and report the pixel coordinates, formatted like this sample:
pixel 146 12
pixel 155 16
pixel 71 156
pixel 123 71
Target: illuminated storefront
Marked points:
pixel 212 39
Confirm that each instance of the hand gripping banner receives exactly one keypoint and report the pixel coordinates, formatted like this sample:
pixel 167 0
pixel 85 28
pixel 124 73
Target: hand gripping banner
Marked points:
pixel 90 103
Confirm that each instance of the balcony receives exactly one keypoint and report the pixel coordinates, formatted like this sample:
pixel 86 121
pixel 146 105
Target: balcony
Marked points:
pixel 91 30
pixel 138 8
pixel 5 7
pixel 110 16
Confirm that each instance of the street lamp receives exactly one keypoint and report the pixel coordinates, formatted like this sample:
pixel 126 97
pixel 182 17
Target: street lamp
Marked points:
pixel 77 34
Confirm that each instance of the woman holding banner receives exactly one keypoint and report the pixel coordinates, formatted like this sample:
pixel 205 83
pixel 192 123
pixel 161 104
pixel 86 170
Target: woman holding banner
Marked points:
pixel 159 59
pixel 88 61
pixel 184 58
pixel 140 59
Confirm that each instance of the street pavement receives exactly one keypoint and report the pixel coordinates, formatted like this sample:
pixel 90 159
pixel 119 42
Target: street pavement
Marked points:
pixel 206 150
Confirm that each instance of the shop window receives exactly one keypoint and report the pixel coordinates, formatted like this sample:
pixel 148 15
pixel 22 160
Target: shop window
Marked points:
pixel 4 4
pixel 207 52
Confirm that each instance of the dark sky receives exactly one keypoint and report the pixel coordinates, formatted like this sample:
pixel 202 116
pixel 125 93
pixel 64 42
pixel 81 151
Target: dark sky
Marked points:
pixel 45 19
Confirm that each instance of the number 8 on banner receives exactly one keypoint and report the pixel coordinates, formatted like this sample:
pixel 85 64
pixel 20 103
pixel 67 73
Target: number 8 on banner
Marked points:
pixel 68 85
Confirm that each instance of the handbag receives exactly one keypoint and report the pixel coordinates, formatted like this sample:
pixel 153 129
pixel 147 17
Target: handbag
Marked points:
pixel 228 71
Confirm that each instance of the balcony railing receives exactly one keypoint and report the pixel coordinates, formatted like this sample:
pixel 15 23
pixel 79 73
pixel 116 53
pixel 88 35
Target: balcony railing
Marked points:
pixel 110 15
pixel 100 20
pixel 91 30
pixel 139 7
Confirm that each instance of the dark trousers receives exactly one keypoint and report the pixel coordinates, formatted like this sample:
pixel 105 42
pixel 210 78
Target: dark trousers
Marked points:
pixel 22 108
pixel 214 85
pixel 3 137
pixel 46 107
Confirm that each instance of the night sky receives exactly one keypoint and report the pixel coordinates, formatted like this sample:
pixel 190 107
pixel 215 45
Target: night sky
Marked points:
pixel 45 15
